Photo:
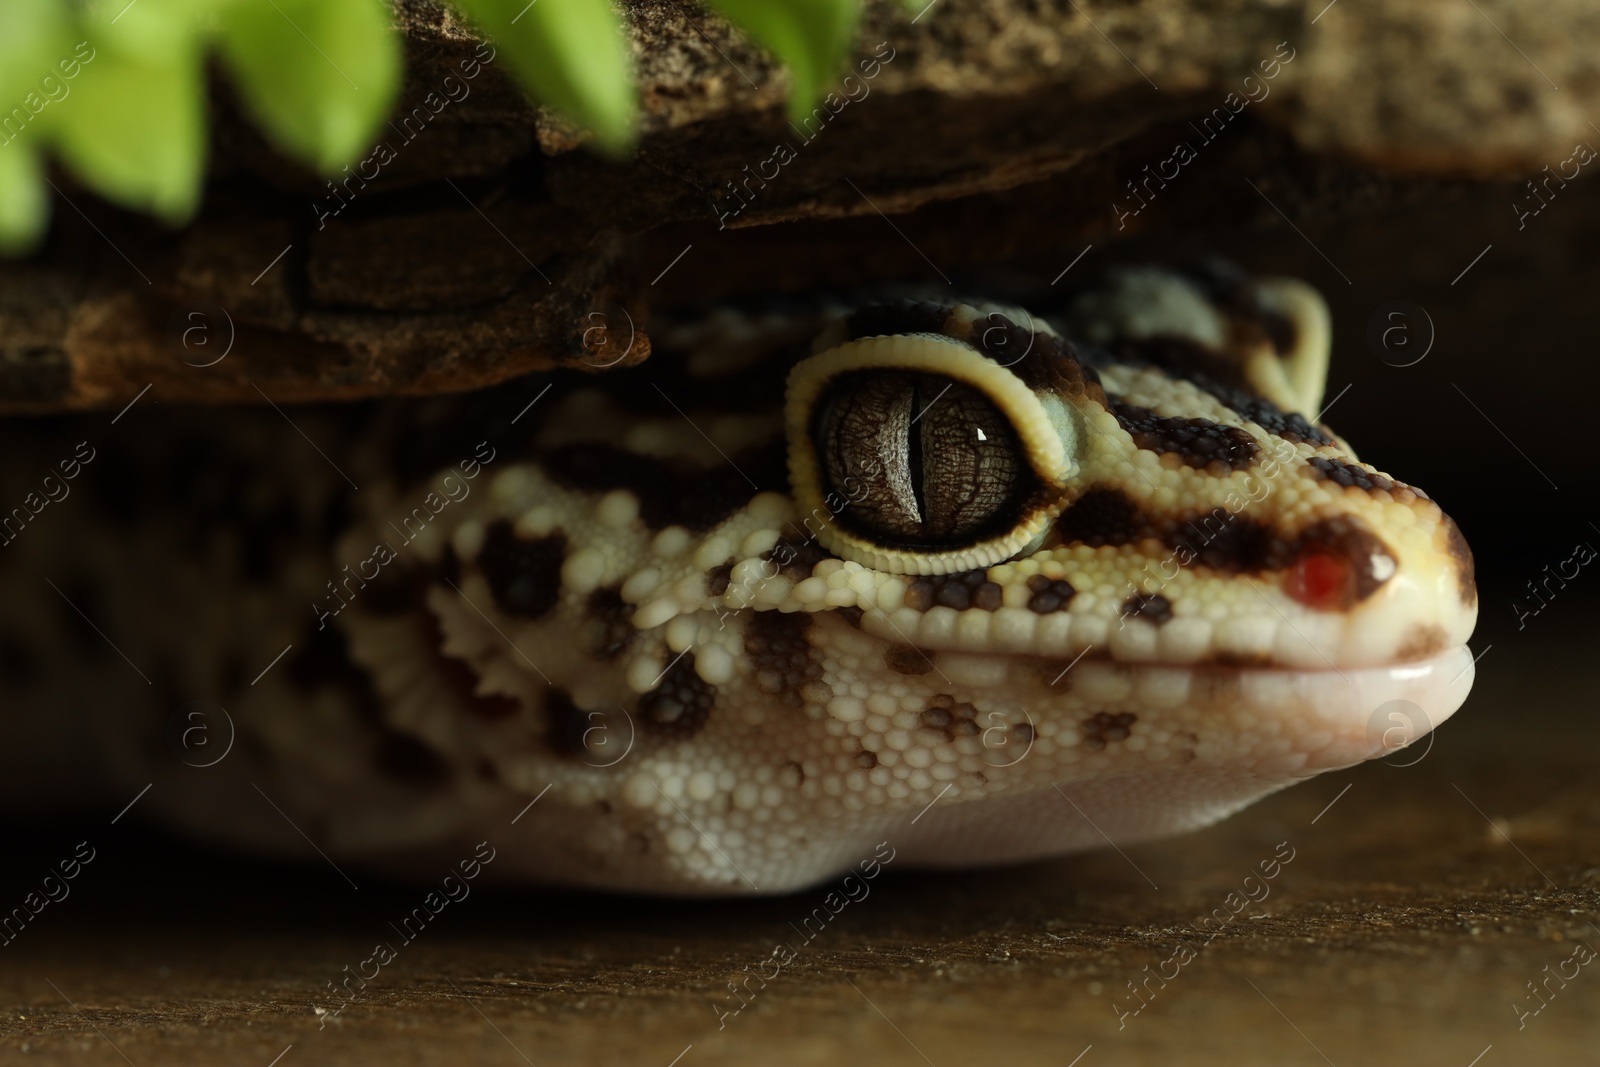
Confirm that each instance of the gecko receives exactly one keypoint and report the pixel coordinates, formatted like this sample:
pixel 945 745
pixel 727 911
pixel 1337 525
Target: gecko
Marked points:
pixel 979 585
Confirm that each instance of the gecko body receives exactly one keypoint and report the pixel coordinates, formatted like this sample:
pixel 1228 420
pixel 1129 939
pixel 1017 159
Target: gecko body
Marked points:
pixel 983 585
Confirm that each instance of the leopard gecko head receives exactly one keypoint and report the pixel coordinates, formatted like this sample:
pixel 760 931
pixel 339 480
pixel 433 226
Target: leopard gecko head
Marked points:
pixel 977 585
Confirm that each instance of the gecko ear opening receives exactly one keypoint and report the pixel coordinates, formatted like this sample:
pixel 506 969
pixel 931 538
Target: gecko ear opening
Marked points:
pixel 1273 333
pixel 1295 378
pixel 919 455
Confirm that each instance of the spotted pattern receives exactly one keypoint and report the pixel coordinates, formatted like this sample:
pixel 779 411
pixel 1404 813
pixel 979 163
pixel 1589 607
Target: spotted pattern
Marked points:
pixel 951 718
pixel 780 656
pixel 1151 607
pixel 1046 594
pixel 1355 476
pixel 1102 516
pixel 1103 727
pixel 958 591
pixel 524 575
pixel 1199 443
pixel 680 707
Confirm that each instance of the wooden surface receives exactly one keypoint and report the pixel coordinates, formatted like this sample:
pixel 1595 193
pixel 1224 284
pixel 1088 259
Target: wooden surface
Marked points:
pixel 1413 913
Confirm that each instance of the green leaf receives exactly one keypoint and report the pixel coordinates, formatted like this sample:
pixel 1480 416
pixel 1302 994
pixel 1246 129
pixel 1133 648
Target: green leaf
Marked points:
pixel 571 54
pixel 24 205
pixel 811 37
pixel 35 55
pixel 319 75
pixel 33 37
pixel 134 127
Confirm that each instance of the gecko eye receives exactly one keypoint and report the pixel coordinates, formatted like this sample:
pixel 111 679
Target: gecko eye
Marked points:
pixel 923 460
pixel 917 453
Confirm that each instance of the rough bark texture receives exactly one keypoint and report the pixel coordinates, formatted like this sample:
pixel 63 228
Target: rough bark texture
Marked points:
pixel 492 243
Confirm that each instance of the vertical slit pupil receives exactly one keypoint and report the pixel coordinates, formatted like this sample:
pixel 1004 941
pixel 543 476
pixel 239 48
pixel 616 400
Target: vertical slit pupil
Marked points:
pixel 914 453
pixel 927 461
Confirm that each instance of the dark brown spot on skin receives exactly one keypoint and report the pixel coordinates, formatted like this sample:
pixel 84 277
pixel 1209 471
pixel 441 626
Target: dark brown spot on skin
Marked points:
pixel 952 595
pixel 919 595
pixel 987 596
pixel 1102 516
pixel 1289 425
pixel 717 578
pixel 609 626
pixel 406 760
pixel 1352 476
pixel 1046 594
pixel 903 659
pixel 1156 609
pixel 671 494
pixel 680 706
pixel 524 576
pixel 1233 292
pixel 867 759
pixel 1422 642
pixel 776 648
pixel 1187 360
pixel 1456 545
pixel 1103 727
pixel 1192 740
pixel 1226 542
pixel 1199 443
pixel 959 591
pixel 1042 361
pixel 949 718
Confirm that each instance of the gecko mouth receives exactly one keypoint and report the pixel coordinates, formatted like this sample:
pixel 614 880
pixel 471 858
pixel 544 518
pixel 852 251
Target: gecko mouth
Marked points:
pixel 1323 718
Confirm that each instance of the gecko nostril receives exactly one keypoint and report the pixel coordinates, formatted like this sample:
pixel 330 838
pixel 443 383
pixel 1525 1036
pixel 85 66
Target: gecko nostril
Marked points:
pixel 1319 579
pixel 1338 564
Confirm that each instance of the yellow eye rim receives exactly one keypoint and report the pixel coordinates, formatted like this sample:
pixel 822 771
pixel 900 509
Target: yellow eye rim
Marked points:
pixel 1045 427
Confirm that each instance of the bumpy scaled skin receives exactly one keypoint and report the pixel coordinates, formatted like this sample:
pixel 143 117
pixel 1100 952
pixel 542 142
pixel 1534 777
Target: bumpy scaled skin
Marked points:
pixel 943 579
